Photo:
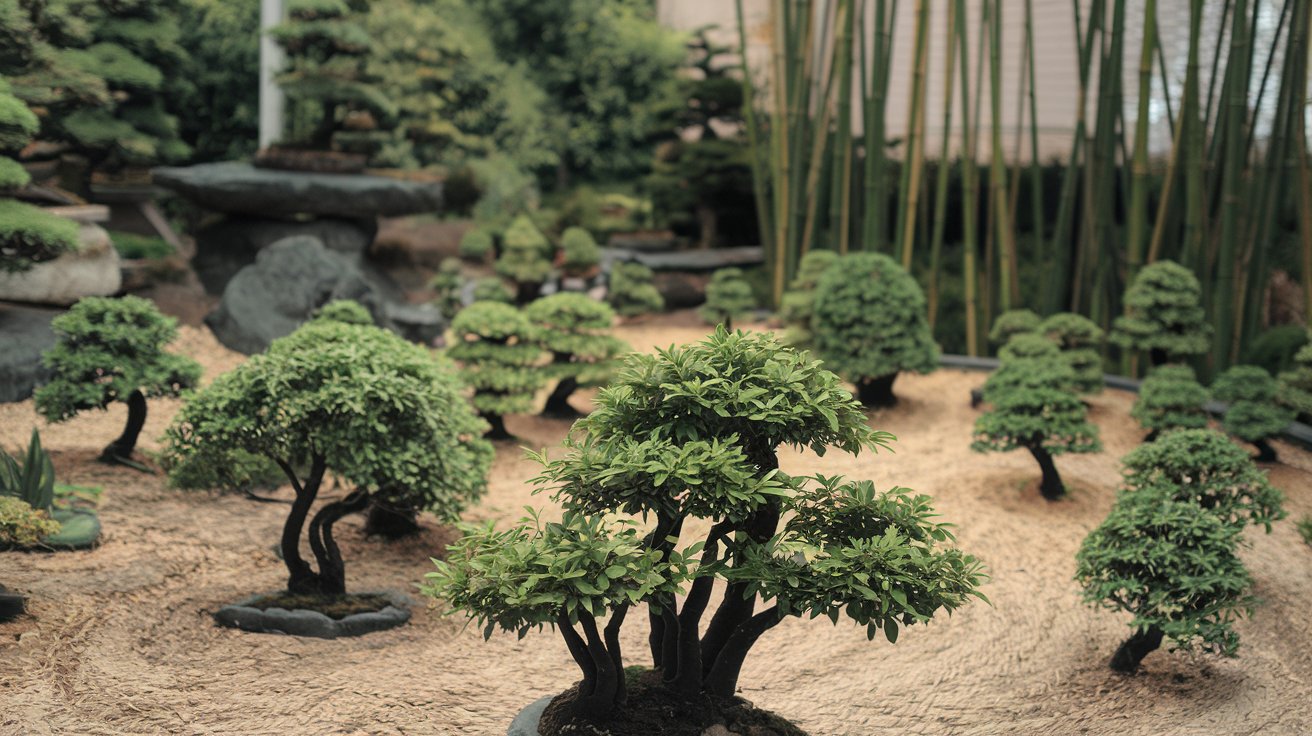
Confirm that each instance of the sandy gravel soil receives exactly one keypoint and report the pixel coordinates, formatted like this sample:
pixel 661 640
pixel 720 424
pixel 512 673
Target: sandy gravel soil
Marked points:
pixel 121 641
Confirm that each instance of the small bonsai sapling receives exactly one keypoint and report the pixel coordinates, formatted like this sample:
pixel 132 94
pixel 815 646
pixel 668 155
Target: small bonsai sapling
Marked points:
pixel 575 329
pixel 109 350
pixel 1164 316
pixel 728 296
pixel 687 438
pixel 1172 566
pixel 1013 322
pixel 28 234
pixel 1080 340
pixel 579 253
pixel 1170 398
pixel 353 400
pixel 1253 415
pixel 1204 467
pixel 1034 408
pixel 632 290
pixel 476 244
pixel 798 303
pixel 870 325
pixel 1296 384
pixel 447 285
pixel 525 259
pixel 498 353
pixel 492 289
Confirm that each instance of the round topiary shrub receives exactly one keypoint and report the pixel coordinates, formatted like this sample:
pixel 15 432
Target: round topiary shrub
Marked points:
pixel 579 253
pixel 870 325
pixel 1013 322
pixel 1164 315
pixel 492 289
pixel 498 352
pixel 1035 408
pixel 632 290
pixel 728 296
pixel 575 329
pixel 353 400
pixel 1253 415
pixel 476 244
pixel 525 259
pixel 688 439
pixel 1170 398
pixel 798 303
pixel 447 285
pixel 1080 340
pixel 109 350
pixel 1296 384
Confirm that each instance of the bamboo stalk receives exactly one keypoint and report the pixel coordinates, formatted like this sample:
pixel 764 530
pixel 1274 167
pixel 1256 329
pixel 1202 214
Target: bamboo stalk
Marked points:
pixel 1138 222
pixel 1008 288
pixel 1232 183
pixel 970 193
pixel 909 196
pixel 944 170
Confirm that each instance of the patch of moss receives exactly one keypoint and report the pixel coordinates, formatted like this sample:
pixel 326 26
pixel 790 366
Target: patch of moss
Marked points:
pixel 133 246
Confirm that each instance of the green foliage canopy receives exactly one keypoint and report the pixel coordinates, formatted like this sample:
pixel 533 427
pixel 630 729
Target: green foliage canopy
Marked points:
pixel 728 297
pixel 498 354
pixel 1171 398
pixel 798 303
pixel 632 290
pixel 1253 415
pixel 1164 313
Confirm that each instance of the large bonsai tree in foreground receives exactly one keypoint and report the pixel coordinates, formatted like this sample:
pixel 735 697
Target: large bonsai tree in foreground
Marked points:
pixel 575 329
pixel 1253 415
pixel 109 350
pixel 687 439
pixel 348 399
pixel 1035 408
pixel 1170 398
pixel 1164 316
pixel 498 354
pixel 870 324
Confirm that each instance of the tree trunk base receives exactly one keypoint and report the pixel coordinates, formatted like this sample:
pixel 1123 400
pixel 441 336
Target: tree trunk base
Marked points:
pixel 1265 452
pixel 1132 651
pixel 877 393
pixel 390 522
pixel 498 430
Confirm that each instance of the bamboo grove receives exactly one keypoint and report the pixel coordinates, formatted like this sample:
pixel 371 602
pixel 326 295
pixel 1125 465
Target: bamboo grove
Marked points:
pixel 828 176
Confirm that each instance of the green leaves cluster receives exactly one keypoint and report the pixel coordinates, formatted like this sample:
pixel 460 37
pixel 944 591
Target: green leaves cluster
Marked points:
pixel 1254 414
pixel 1296 384
pixel 1171 398
pixel 1013 322
pixel 1164 313
pixel 798 303
pixel 576 329
pixel 476 244
pixel 525 253
pixel 579 251
pixel 870 319
pixel 728 297
pixel 498 353
pixel 632 290
pixel 1080 341
pixel 1034 407
pixel 27 234
pixel 105 349
pixel 30 480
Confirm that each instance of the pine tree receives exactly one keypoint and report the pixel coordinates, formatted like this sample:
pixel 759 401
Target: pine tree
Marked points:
pixel 1164 315
pixel 728 296
pixel 1253 415
pixel 575 329
pixel 498 353
pixel 1170 398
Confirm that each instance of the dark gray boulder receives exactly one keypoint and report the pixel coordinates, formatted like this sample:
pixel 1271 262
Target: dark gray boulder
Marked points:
pixel 242 188
pixel 277 293
pixel 26 334
pixel 226 247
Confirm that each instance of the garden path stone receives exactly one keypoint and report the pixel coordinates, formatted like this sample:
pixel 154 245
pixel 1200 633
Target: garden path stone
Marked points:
pixel 526 723
pixel 302 622
pixel 27 334
pixel 236 187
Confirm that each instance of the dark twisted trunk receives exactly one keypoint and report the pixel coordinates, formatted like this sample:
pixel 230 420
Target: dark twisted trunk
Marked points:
pixel 498 430
pixel 1132 651
pixel 612 637
pixel 1153 435
pixel 391 520
pixel 121 448
pixel 722 679
pixel 877 393
pixel 300 577
pixel 332 571
pixel 558 402
pixel 1158 356
pixel 666 526
pixel 527 291
pixel 1050 486
pixel 607 682
pixel 1265 452
pixel 688 679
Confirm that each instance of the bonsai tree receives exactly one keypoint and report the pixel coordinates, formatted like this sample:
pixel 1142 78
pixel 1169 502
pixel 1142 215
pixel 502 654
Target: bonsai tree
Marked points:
pixel 492 289
pixel 798 303
pixel 579 253
pixel 1163 315
pixel 27 234
pixel 498 353
pixel 870 325
pixel 353 400
pixel 688 439
pixel 1080 340
pixel 1204 467
pixel 1172 566
pixel 1027 346
pixel 728 295
pixel 1296 384
pixel 1253 415
pixel 447 285
pixel 475 245
pixel 1013 322
pixel 525 259
pixel 325 73
pixel 575 329
pixel 1035 409
pixel 109 350
pixel 1170 398
pixel 631 290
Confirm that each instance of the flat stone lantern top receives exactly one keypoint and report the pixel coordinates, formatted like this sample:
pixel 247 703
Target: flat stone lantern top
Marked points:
pixel 242 188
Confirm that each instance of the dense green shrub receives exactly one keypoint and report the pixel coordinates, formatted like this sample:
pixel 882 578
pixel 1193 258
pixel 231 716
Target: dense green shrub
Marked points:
pixel 690 435
pixel 632 290
pixel 798 303
pixel 1172 566
pixel 525 259
pixel 354 400
pixel 870 324
pixel 728 297
pixel 447 284
pixel 492 289
pixel 215 88
pixel 1204 467
pixel 27 234
pixel 580 253
pixel 1035 408
pixel 575 329
pixel 498 354
pixel 1253 415
pixel 476 244
pixel 1296 384
pixel 1028 345
pixel 1080 340
pixel 1276 348
pixel 1164 316
pixel 109 350
pixel 1170 398
pixel 1013 322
